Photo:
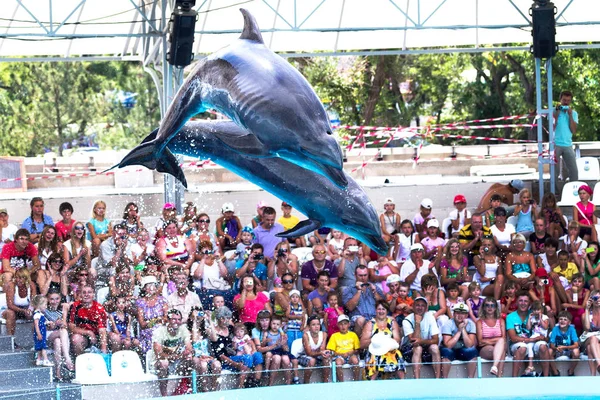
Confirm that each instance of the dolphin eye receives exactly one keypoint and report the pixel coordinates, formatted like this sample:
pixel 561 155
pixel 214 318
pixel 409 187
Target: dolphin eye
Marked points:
pixel 329 132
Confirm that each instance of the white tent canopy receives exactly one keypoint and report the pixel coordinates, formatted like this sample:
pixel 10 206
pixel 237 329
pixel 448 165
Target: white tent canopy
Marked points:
pixel 134 29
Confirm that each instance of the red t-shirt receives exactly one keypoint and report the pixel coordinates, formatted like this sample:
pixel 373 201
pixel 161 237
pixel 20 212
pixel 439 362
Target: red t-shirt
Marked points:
pixel 18 259
pixel 64 231
pixel 93 318
pixel 252 307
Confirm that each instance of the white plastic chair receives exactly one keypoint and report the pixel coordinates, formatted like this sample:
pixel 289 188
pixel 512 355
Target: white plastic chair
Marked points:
pixel 570 194
pixel 127 367
pixel 102 294
pixel 304 254
pixel 445 227
pixel 513 219
pixel 588 168
pixel 90 369
pixel 596 196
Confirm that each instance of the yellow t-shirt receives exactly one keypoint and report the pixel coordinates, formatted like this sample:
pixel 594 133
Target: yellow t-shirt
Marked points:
pixel 343 343
pixel 567 273
pixel 288 223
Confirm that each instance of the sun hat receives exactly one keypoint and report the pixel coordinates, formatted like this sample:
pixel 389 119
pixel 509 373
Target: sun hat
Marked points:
pixel 460 307
pixel 427 203
pixel 382 344
pixel 433 223
pixel 294 292
pixel 343 317
pixel 416 246
pixel 459 198
pixel 393 278
pixel 148 279
pixel 168 206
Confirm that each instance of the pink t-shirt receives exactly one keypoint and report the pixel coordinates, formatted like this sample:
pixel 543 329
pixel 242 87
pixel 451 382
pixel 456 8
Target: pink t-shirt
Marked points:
pixel 586 214
pixel 252 307
pixel 332 315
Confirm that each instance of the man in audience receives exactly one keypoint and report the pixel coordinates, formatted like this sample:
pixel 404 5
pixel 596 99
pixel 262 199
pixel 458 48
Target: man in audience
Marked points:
pixel 310 269
pixel 422 337
pixel 317 299
pixel 87 323
pixel 470 236
pixel 414 269
pixel 265 232
pixel 360 299
pixel 183 299
pixel 254 265
pixel 289 221
pixel 352 256
pixel 506 191
pixel 21 253
pixel 173 350
pixel 112 251
pixel 459 339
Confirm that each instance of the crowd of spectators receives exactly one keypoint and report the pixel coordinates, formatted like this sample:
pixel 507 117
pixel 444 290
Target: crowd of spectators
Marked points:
pixel 187 296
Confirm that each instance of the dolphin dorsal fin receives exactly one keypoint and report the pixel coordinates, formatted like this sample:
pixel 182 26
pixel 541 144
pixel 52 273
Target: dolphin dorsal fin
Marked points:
pixel 251 30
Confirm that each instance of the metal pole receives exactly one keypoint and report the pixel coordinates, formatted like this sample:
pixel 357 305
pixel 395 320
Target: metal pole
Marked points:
pixel 479 373
pixel 540 111
pixel 194 382
pixel 333 371
pixel 57 392
pixel 550 124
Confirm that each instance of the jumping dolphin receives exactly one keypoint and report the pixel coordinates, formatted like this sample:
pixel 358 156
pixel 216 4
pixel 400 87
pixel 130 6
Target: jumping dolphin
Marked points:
pixel 324 203
pixel 261 92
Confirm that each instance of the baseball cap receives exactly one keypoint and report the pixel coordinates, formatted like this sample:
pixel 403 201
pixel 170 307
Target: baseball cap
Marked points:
pixel 227 207
pixel 284 204
pixel 293 292
pixel 433 223
pixel 517 184
pixel 422 298
pixel 261 204
pixel 148 279
pixel 427 203
pixel 389 200
pixel 168 206
pixel 460 307
pixel 541 273
pixel 343 317
pixel 3 210
pixel 416 246
pixel 459 198
pixel 393 278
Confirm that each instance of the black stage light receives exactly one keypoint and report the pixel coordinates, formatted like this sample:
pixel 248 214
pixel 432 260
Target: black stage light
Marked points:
pixel 544 29
pixel 181 33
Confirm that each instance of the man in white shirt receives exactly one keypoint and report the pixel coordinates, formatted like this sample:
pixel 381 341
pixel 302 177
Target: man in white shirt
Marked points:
pixel 423 334
pixel 413 270
pixel 183 299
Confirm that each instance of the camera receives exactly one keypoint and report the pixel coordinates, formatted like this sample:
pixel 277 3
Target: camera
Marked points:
pixel 207 252
pixel 544 281
pixel 353 249
pixel 280 252
pixel 486 249
pixel 201 313
pixel 595 298
pixel 561 108
pixel 258 257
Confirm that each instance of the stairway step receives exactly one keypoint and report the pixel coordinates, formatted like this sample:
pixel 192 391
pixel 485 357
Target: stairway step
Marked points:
pixel 68 391
pixel 16 360
pixel 31 377
pixel 6 343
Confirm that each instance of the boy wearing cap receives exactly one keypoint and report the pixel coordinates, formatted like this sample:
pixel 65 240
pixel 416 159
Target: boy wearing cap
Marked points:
pixel 7 231
pixel 289 221
pixel 424 215
pixel 460 216
pixel 459 336
pixel 389 220
pixel 344 346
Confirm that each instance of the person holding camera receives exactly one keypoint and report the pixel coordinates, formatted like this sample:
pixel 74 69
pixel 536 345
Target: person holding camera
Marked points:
pixel 565 126
pixel 360 299
pixel 250 302
pixel 254 265
pixel 352 256
pixel 543 291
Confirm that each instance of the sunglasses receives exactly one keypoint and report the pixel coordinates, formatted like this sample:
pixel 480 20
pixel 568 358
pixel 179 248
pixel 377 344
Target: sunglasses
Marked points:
pixel 207 252
pixel 58 262
pixel 287 281
pixel 493 305
pixel 83 274
pixel 320 252
pixel 204 220
pixel 79 228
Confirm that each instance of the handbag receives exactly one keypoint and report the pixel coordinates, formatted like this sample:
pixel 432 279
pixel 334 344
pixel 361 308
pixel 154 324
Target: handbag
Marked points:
pixel 586 335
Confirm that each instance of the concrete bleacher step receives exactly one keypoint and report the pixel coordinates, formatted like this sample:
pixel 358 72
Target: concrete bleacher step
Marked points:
pixel 6 343
pixel 16 360
pixel 29 377
pixel 67 392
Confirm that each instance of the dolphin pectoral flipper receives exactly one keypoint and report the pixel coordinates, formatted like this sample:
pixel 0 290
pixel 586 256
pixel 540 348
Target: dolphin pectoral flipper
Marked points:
pixel 301 229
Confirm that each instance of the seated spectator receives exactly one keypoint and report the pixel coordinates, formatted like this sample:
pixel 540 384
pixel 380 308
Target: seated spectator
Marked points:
pixel 7 231
pixel 152 310
pixel 525 213
pixel 522 343
pixel 564 342
pixel 591 266
pixel 553 217
pixel 404 241
pixel 121 285
pixel 65 225
pixel 250 301
pixel 79 279
pixel 18 254
pixel 310 269
pixel 99 228
pixel 538 238
pixel 572 242
pixel 58 336
pixel 335 246
pixel 398 299
pixel 121 329
pixel 453 266
pixel 289 221
pixel 459 341
pixel 416 267
pixel 112 252
pixel 281 297
pixel 132 222
pixel 174 249
pixel 432 243
pixel 254 265
pixel 382 357
pixel 470 236
pixel 229 228
pixel 508 301
pixel 169 212
pixel 506 193
pixel 489 269
pixel 203 232
pixel 491 335
pixel 460 216
pixel 422 217
pixel 210 276
pixel 282 262
pixel 583 213
pixel 37 220
pixel 56 277
pixel 543 291
pixel 317 299
pixel 549 258
pixel 200 326
pixel 265 233
pixel 87 323
pixel 577 298
pixel 332 313
pixel 452 298
pixel 259 336
pixel 474 301
pixel 344 346
pixel 590 339
pixel 141 249
pixel 489 216
pixel 380 270
pixel 77 251
pixel 257 219
pixel 296 318
pixel 360 299
pixel 187 223
pixel 173 350
pixel 153 267
pixel 352 257
pixel 314 342
pixel 502 233
pixel 389 220
pixel 565 270
pixel 421 338
pixel 520 264
pixel 277 343
pixel 537 325
pixel 47 245
pixel 183 299
pixel 19 292
pixel 436 298
pixel 222 346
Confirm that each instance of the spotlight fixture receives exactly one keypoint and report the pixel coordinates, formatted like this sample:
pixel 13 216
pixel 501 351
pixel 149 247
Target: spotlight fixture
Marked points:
pixel 181 33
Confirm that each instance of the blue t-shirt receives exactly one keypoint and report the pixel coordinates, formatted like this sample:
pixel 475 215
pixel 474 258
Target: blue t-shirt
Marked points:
pixel 514 321
pixel 560 338
pixel 562 133
pixel 37 227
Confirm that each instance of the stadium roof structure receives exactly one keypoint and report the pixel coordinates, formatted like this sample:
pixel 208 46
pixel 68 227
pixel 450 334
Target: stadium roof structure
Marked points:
pixel 136 30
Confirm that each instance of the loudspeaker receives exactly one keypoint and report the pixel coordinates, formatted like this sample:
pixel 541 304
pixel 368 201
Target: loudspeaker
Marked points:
pixel 544 29
pixel 181 37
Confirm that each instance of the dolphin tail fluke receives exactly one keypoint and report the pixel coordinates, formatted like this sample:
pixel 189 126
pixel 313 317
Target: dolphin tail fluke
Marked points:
pixel 145 154
pixel 301 229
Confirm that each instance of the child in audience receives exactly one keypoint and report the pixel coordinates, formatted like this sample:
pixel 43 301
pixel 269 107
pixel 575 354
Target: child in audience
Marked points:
pixel 460 216
pixel 296 318
pixel 572 243
pixel 538 237
pixel 200 327
pixel 424 215
pixel 40 304
pixel 276 342
pixel 345 346
pixel 131 219
pixel 565 269
pixel 537 324
pixel 99 228
pixel 64 226
pixel 577 298
pixel 397 298
pixel 474 301
pixel 509 300
pixel 335 246
pixel 432 242
pixel 389 220
pixel 259 333
pixel 245 243
pixel 241 340
pixel 120 325
pixel 332 313
pixel 553 216
pixel 404 240
pixel 490 217
pixel 583 213
pixel 452 298
pixel 37 220
pixel 564 342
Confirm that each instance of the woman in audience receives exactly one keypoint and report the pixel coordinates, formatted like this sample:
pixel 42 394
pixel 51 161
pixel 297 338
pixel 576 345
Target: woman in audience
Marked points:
pixel 590 340
pixel 203 233
pixel 81 277
pixel 121 285
pixel 491 335
pixel 436 298
pixel 520 264
pixel 131 219
pixel 58 336
pixel 248 303
pixel 56 277
pixel 19 292
pixel 76 251
pixel 37 220
pixel 152 267
pixel 283 262
pixel 48 245
pixel 453 266
pixel 282 295
pixel 489 269
pixel 174 249
pixel 591 266
pixel 151 311
pixel 99 227
pixel 548 260
pixel 210 276
pixel 502 232
pixel 141 249
pixel 169 212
